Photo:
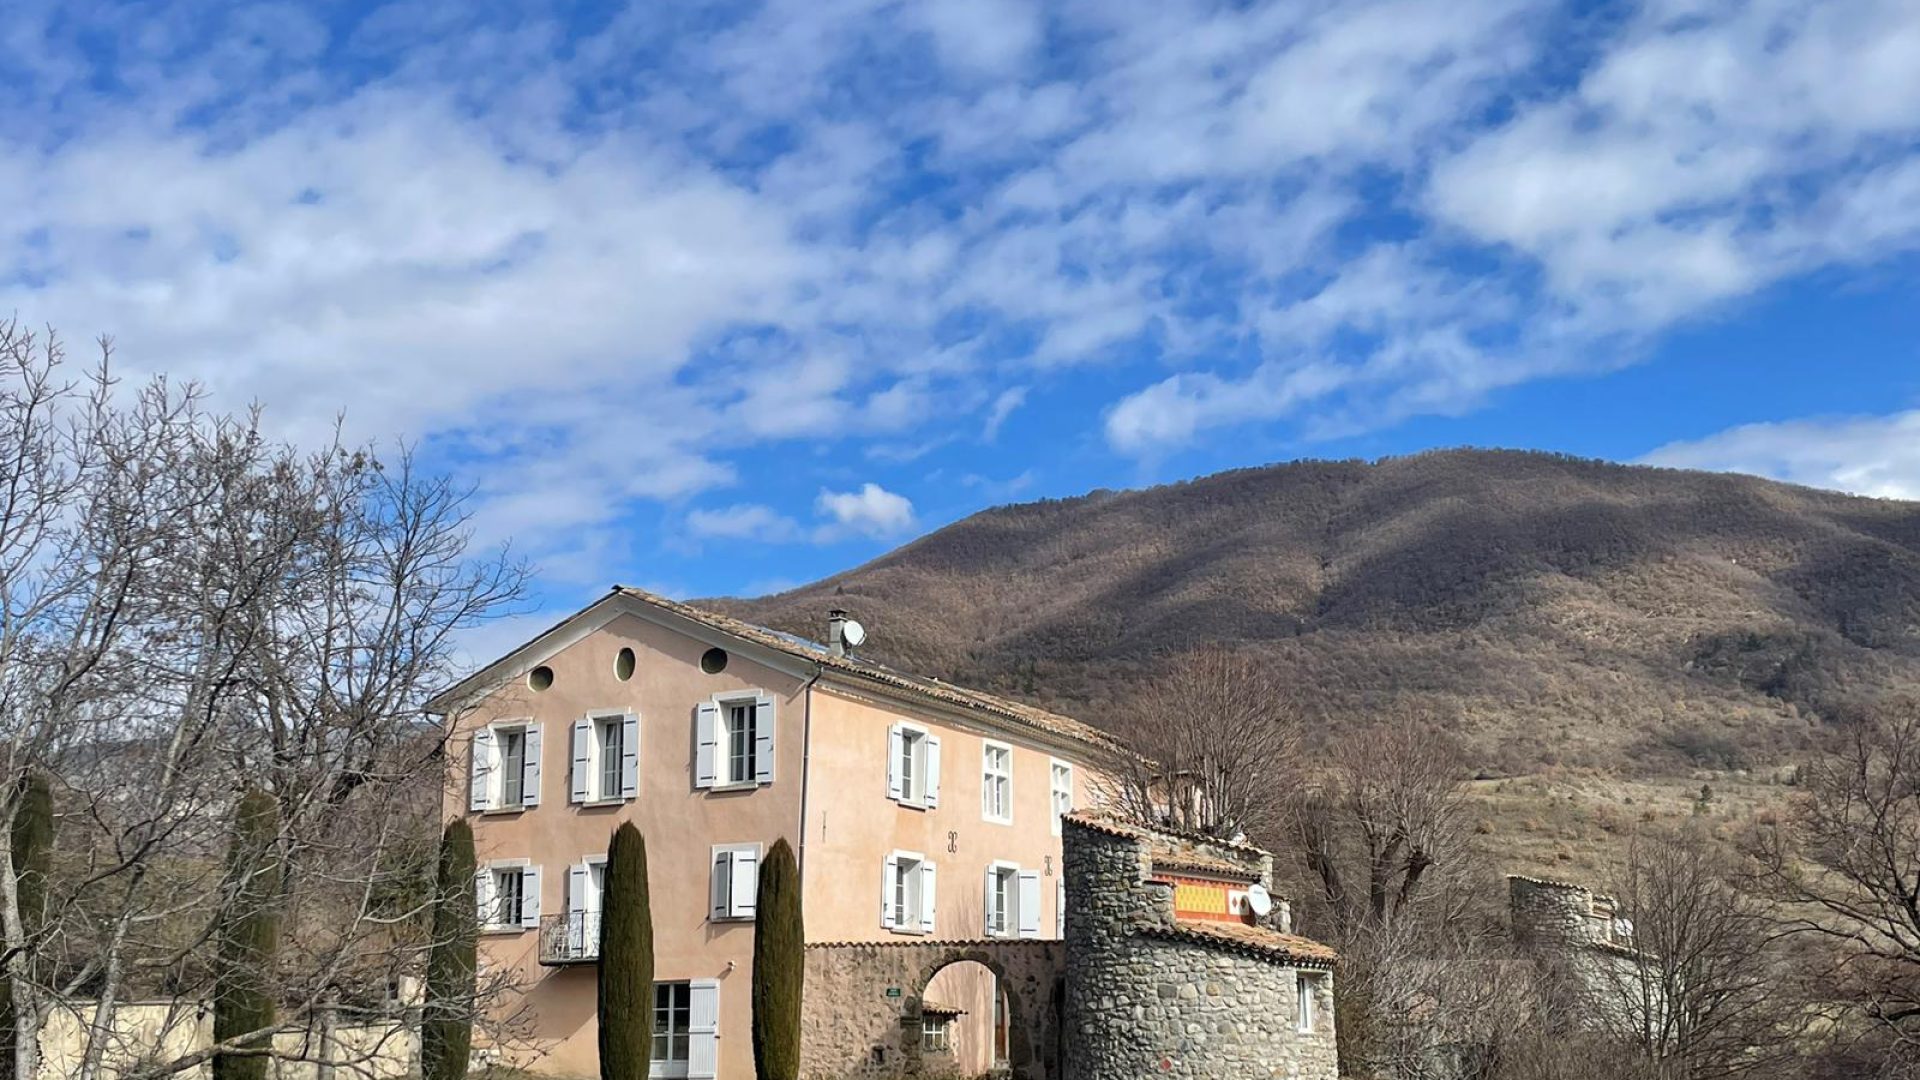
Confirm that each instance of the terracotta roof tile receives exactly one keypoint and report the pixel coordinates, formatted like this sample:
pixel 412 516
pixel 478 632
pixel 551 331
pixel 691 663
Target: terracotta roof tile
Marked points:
pixel 1252 940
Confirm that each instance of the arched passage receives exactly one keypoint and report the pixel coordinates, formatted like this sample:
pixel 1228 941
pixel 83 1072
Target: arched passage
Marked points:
pixel 866 1006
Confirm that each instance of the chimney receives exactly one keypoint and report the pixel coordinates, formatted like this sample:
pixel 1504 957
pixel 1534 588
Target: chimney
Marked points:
pixel 837 632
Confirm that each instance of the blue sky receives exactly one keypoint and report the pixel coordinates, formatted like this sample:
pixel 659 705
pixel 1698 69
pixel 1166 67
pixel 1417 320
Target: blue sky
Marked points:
pixel 714 298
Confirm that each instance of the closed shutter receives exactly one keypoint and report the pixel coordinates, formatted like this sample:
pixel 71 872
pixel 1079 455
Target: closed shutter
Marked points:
pixel 763 741
pixel 744 894
pixel 530 898
pixel 703 1030
pixel 483 896
pixel 577 884
pixel 1028 907
pixel 889 871
pixel 706 737
pixel 896 743
pixel 530 775
pixel 720 885
pixel 987 925
pixel 480 770
pixel 926 896
pixel 933 772
pixel 582 787
pixel 629 756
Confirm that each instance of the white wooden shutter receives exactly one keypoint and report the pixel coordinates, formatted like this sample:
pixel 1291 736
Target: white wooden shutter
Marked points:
pixel 706 738
pixel 763 740
pixel 744 894
pixel 530 898
pixel 932 781
pixel 888 871
pixel 530 775
pixel 703 1030
pixel 986 903
pixel 1028 905
pixel 926 896
pixel 480 770
pixel 582 786
pixel 483 896
pixel 578 881
pixel 630 756
pixel 896 784
pixel 720 885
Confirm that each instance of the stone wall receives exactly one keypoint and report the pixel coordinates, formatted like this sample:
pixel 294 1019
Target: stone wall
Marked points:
pixel 1150 996
pixel 1581 944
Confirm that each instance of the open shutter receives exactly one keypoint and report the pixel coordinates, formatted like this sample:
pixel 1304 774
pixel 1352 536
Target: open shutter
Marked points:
pixel 720 885
pixel 1028 907
pixel 706 739
pixel 483 896
pixel 629 756
pixel 763 741
pixel 888 871
pixel 582 785
pixel 577 885
pixel 703 1030
pixel 480 770
pixel 745 892
pixel 530 775
pixel 530 898
pixel 933 771
pixel 896 784
pixel 986 904
pixel 926 896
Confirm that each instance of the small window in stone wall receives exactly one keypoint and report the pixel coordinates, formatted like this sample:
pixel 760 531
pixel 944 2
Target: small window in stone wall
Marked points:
pixel 1308 988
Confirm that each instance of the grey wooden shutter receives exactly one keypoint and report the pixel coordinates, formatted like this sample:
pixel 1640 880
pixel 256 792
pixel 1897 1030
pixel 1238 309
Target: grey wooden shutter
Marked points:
pixel 630 756
pixel 530 898
pixel 480 770
pixel 581 788
pixel 896 741
pixel 889 870
pixel 720 885
pixel 577 885
pixel 530 775
pixel 932 780
pixel 926 896
pixel 763 740
pixel 706 737
pixel 1027 906
pixel 743 893
pixel 703 1030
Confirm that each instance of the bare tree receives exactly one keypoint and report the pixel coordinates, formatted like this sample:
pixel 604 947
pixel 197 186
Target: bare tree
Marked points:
pixel 188 609
pixel 1214 741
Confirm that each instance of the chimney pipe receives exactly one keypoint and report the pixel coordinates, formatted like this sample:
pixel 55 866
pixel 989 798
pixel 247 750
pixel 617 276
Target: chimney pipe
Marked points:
pixel 837 632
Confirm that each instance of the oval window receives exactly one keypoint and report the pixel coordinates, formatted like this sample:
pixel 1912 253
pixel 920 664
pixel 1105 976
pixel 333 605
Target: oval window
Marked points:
pixel 540 678
pixel 623 665
pixel 713 661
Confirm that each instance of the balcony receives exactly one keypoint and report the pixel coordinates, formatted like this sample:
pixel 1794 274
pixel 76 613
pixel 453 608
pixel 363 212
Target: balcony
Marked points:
pixel 573 938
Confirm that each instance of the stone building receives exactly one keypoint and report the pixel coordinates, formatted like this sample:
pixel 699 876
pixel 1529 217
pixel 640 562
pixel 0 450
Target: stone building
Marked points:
pixel 1169 972
pixel 1583 941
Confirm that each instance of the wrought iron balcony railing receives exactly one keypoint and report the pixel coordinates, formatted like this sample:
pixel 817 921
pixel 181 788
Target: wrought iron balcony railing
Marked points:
pixel 573 938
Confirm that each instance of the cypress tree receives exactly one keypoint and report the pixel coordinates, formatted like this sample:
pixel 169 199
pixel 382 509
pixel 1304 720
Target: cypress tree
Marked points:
pixel 32 857
pixel 249 936
pixel 446 1030
pixel 626 960
pixel 779 963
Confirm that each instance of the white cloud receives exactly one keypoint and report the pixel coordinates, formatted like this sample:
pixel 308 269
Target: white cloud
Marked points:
pixel 743 521
pixel 871 511
pixel 1865 455
pixel 1003 407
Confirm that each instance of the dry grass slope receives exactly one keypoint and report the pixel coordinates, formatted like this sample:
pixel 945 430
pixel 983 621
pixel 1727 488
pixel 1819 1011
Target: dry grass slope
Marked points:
pixel 1555 611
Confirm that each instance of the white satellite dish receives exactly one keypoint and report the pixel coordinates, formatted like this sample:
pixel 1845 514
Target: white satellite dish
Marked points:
pixel 853 634
pixel 1259 901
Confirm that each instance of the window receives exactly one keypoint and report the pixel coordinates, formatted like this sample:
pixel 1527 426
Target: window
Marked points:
pixel 610 753
pixel 606 757
pixel 623 665
pixel 734 741
pixel 936 1034
pixel 1060 908
pixel 505 764
pixel 996 789
pixel 913 766
pixel 507 895
pixel 1307 987
pixel 735 882
pixel 686 1029
pixel 1060 788
pixel 907 893
pixel 672 1016
pixel 1003 891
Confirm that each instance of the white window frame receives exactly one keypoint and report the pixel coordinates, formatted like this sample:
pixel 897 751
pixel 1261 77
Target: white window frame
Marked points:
pixel 530 765
pixel 913 766
pixel 1001 920
pixel 1307 1002
pixel 987 777
pixel 734 907
pixel 1054 791
pixel 671 1067
pixel 762 750
pixel 597 756
pixel 936 1034
pixel 906 902
pixel 529 876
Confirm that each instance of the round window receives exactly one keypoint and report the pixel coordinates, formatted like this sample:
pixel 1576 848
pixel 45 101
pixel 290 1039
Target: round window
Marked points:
pixel 713 661
pixel 540 678
pixel 623 665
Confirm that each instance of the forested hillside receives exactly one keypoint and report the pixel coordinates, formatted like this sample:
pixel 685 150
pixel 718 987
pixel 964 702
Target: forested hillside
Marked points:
pixel 1552 610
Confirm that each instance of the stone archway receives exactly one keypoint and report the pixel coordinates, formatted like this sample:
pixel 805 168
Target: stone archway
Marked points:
pixel 863 1005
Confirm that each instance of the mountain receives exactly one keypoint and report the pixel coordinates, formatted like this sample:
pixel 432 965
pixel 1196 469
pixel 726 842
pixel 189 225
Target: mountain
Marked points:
pixel 1552 610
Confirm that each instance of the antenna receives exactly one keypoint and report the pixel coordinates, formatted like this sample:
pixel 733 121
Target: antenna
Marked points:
pixel 853 634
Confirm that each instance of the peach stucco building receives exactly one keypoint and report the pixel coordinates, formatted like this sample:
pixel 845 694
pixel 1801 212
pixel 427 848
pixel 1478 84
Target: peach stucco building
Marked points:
pixel 917 809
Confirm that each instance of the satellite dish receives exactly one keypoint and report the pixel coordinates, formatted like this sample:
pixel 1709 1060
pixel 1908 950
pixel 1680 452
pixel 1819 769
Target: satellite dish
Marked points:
pixel 853 634
pixel 1259 901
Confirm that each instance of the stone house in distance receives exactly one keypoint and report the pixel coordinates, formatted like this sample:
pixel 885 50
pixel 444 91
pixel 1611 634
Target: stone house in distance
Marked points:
pixel 937 837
